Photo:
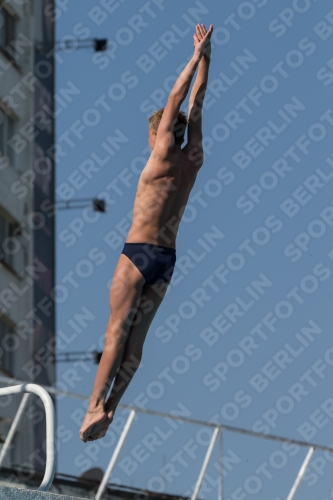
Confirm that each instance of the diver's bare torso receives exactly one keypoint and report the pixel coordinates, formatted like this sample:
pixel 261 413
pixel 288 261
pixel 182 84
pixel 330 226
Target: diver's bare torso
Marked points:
pixel 163 190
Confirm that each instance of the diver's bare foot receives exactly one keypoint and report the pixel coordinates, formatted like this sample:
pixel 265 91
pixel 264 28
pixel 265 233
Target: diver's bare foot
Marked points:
pixel 95 425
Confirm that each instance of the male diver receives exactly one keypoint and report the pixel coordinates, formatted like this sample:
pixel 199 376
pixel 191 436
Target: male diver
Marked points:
pixel 147 261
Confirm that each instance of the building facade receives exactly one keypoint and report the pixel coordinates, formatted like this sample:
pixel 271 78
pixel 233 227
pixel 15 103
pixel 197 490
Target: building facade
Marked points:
pixel 27 316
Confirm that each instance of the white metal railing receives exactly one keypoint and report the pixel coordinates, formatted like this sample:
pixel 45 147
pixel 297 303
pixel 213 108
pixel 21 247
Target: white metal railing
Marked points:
pixel 205 463
pixel 50 430
pixel 301 474
pixel 115 455
pixel 218 430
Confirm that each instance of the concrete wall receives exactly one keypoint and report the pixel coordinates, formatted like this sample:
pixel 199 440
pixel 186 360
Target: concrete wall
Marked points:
pixel 20 494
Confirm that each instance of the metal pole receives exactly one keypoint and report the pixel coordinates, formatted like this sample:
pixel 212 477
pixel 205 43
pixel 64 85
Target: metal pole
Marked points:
pixel 13 428
pixel 50 434
pixel 301 474
pixel 220 493
pixel 205 464
pixel 115 455
pixel 238 430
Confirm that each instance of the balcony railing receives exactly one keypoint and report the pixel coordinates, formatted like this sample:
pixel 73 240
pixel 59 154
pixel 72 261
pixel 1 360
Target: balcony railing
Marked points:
pixel 218 430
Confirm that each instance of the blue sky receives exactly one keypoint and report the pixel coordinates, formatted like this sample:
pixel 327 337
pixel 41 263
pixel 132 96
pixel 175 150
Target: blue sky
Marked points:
pixel 244 334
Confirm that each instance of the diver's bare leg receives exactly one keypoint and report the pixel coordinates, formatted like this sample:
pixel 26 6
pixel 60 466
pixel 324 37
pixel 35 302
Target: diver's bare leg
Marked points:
pixel 125 293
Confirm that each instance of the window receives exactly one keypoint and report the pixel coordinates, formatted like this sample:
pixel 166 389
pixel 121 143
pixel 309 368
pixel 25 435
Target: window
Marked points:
pixel 7 346
pixel 8 241
pixel 6 132
pixel 7 31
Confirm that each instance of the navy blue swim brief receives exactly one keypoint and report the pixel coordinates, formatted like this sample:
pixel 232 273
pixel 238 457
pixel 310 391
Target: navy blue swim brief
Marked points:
pixel 156 263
